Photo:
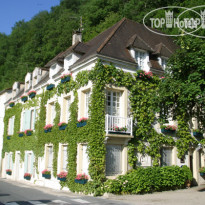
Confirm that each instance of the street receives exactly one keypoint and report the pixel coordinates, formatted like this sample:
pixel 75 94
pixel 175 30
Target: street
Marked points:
pixel 17 193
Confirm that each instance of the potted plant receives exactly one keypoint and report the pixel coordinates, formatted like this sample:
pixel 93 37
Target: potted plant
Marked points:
pixel 27 176
pixel 197 133
pixel 62 125
pixel 28 132
pixel 48 128
pixel 8 137
pixel 62 176
pixel 46 174
pixel 66 77
pixel 81 178
pixel 8 171
pixel 32 93
pixel 24 98
pixel 21 134
pixel 50 87
pixel 202 171
pixel 82 122
pixel 168 129
pixel 11 103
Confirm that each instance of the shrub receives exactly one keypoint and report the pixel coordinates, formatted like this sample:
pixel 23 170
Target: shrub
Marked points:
pixel 146 180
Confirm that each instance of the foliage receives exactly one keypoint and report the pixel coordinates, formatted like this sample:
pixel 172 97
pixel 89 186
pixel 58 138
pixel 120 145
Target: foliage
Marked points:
pixel 62 174
pixel 45 171
pixel 81 176
pixel 146 180
pixel 202 170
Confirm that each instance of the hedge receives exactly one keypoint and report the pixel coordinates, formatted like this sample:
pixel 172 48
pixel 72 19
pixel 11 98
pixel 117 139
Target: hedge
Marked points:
pixel 147 180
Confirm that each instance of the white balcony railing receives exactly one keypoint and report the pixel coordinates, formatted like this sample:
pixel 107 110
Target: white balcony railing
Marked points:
pixel 118 125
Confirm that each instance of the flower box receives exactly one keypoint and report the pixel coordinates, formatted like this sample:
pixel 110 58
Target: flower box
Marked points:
pixel 66 77
pixel 202 174
pixel 63 127
pixel 197 134
pixel 27 178
pixel 46 174
pixel 21 134
pixel 81 124
pixel 163 130
pixel 32 93
pixel 24 98
pixel 48 130
pixel 62 179
pixel 28 132
pixel 81 181
pixel 9 171
pixel 11 104
pixel 8 137
pixel 50 87
pixel 118 132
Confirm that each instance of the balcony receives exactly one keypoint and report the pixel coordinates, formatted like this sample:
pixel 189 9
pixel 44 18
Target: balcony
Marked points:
pixel 118 125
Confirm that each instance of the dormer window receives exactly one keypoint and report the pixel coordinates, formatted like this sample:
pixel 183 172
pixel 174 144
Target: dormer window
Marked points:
pixel 140 58
pixel 163 62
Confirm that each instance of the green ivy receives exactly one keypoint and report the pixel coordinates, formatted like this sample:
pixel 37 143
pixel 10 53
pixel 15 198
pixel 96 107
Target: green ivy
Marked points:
pixel 143 100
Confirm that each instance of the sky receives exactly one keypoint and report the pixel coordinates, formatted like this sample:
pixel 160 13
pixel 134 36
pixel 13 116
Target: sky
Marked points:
pixel 12 11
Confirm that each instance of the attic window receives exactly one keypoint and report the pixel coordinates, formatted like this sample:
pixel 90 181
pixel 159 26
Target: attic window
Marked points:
pixel 140 58
pixel 163 62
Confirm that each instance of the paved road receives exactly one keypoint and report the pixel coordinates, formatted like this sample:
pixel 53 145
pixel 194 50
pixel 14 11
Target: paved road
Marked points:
pixel 16 193
pixel 192 196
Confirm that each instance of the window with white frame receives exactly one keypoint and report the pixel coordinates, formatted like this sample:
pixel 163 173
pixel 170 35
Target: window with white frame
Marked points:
pixel 49 156
pixel 113 160
pixel 28 162
pixel 9 161
pixel 28 119
pixel 68 103
pixel 113 103
pixel 11 125
pixel 140 58
pixel 53 112
pixel 85 159
pixel 64 157
pixel 87 101
pixel 166 156
pixel 163 62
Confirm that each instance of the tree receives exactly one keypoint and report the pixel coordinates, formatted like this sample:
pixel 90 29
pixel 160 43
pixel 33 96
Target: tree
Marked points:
pixel 182 91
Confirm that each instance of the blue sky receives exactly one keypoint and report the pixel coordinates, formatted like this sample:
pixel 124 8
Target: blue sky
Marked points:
pixel 12 11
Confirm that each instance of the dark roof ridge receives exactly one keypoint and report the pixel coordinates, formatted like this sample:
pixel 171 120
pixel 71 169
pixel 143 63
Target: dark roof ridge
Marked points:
pixel 111 35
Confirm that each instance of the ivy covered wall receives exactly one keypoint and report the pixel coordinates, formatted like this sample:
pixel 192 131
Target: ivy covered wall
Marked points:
pixel 143 99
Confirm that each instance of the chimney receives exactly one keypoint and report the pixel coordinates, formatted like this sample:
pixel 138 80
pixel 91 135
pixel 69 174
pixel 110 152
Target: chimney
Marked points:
pixel 77 36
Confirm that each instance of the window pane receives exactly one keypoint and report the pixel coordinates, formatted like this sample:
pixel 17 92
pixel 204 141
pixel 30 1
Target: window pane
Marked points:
pixel 113 160
pixel 68 109
pixel 65 157
pixel 166 159
pixel 50 158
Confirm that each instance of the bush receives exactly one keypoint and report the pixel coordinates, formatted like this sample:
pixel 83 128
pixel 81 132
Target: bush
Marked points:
pixel 146 180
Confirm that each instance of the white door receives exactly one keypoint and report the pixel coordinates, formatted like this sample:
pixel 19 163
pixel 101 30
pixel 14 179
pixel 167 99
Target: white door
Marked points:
pixel 85 160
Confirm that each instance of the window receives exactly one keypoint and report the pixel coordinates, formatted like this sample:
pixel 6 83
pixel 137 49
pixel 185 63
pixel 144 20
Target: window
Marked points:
pixel 28 119
pixel 85 164
pixel 11 125
pixel 68 103
pixel 166 156
pixel 87 101
pixel 53 112
pixel 64 157
pixel 140 58
pixel 113 160
pixel 9 161
pixel 29 160
pixel 163 62
pixel 113 103
pixel 49 157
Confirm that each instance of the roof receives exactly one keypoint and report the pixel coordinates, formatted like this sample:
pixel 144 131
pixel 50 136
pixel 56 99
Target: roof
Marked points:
pixel 116 40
